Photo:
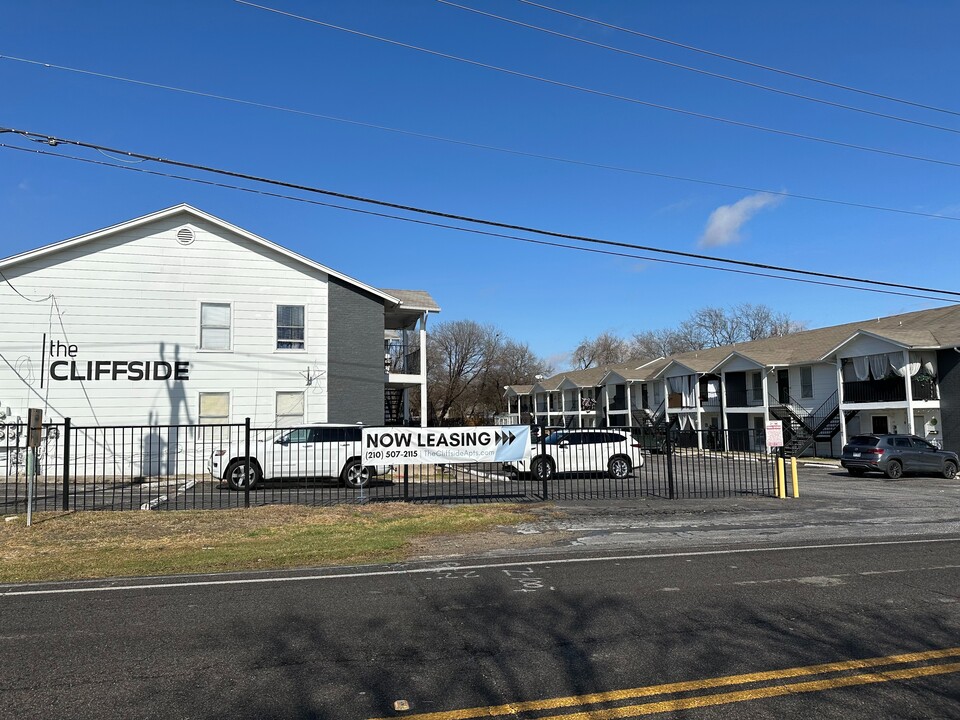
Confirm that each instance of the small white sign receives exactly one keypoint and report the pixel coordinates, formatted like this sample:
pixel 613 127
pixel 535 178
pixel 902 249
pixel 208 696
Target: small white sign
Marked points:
pixel 775 433
pixel 442 446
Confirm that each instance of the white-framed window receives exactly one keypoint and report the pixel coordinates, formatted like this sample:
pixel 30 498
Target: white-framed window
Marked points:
pixel 214 408
pixel 291 327
pixel 214 326
pixel 290 408
pixel 806 382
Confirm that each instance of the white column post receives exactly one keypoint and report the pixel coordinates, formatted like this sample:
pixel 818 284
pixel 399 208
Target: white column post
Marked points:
pixel 699 408
pixel 908 386
pixel 843 417
pixel 423 370
pixel 629 406
pixel 723 400
pixel 766 396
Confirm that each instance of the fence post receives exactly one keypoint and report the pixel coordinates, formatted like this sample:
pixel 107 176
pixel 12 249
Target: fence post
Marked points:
pixel 781 479
pixel 668 449
pixel 66 464
pixel 246 463
pixel 543 452
pixel 406 483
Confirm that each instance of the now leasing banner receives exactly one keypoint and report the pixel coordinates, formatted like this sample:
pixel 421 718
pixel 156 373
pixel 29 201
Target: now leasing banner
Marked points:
pixel 441 446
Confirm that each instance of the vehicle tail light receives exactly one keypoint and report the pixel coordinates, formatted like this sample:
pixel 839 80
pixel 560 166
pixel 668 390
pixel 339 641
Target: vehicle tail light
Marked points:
pixel 876 451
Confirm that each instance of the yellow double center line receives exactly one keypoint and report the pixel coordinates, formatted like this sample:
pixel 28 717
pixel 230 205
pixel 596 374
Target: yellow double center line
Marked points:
pixel 696 701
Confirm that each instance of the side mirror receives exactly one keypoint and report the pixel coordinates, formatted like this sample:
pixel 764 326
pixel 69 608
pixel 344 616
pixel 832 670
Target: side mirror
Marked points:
pixel 564 443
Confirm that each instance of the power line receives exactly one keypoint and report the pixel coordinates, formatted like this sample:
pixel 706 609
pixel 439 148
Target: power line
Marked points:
pixel 749 63
pixel 610 95
pixel 475 231
pixel 480 146
pixel 54 141
pixel 700 71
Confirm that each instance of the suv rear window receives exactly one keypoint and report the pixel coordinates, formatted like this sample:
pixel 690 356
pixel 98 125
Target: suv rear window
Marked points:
pixel 864 441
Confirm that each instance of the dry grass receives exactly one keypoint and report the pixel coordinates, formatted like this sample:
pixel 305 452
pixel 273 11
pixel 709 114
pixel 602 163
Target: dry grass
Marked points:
pixel 64 546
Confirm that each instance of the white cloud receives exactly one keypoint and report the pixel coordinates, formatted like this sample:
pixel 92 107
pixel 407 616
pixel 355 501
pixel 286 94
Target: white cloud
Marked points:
pixel 724 224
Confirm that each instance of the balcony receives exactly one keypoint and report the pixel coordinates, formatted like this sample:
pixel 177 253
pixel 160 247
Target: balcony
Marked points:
pixel 402 359
pixel 745 398
pixel 890 390
pixel 924 388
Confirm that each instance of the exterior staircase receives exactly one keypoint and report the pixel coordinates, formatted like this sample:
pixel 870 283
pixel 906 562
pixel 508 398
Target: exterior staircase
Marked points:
pixel 802 428
pixel 652 421
pixel 392 406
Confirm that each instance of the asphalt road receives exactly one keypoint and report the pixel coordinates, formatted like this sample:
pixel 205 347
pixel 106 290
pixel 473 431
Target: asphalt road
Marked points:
pixel 496 633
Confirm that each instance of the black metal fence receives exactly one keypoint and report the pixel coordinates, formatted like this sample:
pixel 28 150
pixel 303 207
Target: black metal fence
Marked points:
pixel 222 466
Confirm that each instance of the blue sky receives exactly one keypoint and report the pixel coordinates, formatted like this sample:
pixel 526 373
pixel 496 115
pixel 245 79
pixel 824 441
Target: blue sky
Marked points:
pixel 548 297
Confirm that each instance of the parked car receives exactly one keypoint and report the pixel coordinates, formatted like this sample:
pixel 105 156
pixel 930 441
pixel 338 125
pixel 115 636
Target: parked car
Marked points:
pixel 613 451
pixel 307 451
pixel 896 455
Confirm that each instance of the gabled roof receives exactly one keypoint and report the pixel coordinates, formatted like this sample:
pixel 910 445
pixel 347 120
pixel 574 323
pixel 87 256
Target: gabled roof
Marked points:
pixel 414 299
pixel 187 210
pixel 518 389
pixel 730 357
pixel 635 373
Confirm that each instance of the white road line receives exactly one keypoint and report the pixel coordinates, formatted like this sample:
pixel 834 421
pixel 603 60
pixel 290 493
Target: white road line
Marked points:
pixel 160 585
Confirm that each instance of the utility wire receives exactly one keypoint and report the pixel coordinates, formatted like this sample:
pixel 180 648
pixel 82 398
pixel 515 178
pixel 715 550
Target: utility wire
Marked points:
pixel 480 146
pixel 610 95
pixel 33 300
pixel 700 71
pixel 749 63
pixel 475 231
pixel 54 141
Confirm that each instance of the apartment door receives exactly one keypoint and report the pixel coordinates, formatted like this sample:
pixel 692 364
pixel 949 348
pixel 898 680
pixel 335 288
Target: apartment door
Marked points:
pixel 881 424
pixel 783 386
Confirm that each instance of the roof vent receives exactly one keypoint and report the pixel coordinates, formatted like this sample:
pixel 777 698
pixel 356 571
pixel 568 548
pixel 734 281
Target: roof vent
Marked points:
pixel 185 236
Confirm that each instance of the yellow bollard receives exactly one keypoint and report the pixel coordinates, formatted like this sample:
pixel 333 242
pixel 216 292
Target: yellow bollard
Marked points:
pixel 793 471
pixel 781 479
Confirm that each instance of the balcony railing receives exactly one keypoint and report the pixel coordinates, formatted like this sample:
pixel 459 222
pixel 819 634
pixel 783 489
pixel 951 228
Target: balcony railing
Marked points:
pixel 889 390
pixel 403 359
pixel 752 397
pixel 874 391
pixel 924 388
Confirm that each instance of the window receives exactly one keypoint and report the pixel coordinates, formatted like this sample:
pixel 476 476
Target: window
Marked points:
pixel 289 409
pixel 806 382
pixel 300 435
pixel 214 326
pixel 214 408
pixel 290 331
pixel 338 434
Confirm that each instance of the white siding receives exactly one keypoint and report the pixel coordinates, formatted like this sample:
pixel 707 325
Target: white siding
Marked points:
pixel 136 295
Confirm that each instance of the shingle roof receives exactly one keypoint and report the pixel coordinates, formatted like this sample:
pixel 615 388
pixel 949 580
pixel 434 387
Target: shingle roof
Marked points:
pixel 936 328
pixel 414 299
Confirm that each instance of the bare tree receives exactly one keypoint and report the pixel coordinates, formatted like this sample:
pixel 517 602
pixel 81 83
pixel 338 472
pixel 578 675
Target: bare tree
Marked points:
pixel 712 326
pixel 651 344
pixel 468 365
pixel 605 349
pixel 456 352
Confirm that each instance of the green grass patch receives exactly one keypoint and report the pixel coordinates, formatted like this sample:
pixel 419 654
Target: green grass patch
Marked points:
pixel 83 545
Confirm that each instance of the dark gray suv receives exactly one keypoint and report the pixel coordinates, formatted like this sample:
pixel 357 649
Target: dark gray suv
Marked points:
pixel 896 455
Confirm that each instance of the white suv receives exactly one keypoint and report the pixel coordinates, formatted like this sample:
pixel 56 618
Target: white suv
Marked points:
pixel 613 451
pixel 307 451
